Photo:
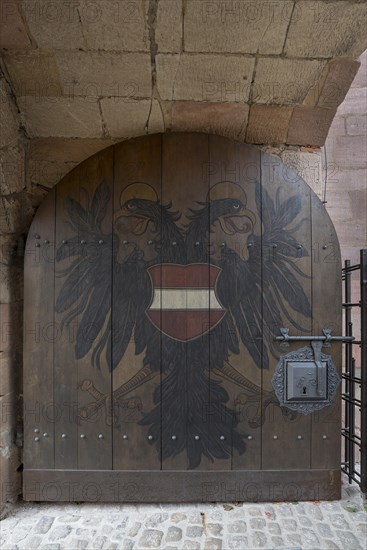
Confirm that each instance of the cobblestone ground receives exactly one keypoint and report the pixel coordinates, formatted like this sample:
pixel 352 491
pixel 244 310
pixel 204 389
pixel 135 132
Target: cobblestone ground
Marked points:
pixel 292 526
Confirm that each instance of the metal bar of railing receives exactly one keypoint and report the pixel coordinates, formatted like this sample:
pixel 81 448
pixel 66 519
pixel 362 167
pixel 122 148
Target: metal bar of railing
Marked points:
pixel 363 283
pixel 347 409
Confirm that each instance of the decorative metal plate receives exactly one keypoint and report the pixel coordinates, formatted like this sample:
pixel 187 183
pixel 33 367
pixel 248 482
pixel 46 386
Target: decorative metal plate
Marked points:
pixel 305 355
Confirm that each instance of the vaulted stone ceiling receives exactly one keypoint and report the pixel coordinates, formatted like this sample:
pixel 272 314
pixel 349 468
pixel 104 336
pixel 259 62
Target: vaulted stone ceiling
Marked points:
pixel 266 72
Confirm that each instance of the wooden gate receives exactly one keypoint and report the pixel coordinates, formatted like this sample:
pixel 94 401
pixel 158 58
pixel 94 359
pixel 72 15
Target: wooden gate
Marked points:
pixel 158 274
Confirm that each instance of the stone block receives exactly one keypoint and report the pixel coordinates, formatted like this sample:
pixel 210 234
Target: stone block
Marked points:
pixel 6 370
pixel 307 166
pixel 61 117
pixel 358 202
pixel 105 74
pixel 13 29
pixel 9 119
pixel 236 27
pixel 11 280
pixel 341 73
pixel 268 124
pixel 339 206
pixel 12 170
pixel 327 29
pixel 338 126
pixel 284 81
pixel 11 249
pixel 349 151
pixel 225 119
pixel 16 213
pixel 360 80
pixel 10 479
pixel 48 160
pixel 216 78
pixel 126 118
pixel 117 25
pixel 168 32
pixel 309 126
pixel 340 179
pixel 11 337
pixel 54 25
pixel 33 73
pixel 65 150
pixel 355 102
pixel 356 125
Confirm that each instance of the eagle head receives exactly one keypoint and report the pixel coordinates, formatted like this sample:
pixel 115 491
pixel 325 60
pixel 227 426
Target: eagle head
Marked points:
pixel 140 204
pixel 228 206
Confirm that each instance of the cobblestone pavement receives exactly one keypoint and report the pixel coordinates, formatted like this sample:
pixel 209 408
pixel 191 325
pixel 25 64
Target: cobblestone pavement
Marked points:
pixel 292 526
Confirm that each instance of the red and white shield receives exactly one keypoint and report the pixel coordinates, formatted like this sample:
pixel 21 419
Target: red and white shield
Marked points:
pixel 184 305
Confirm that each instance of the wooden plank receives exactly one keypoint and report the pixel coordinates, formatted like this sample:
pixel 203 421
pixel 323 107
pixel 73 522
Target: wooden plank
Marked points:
pixel 327 313
pixel 185 385
pixel 181 486
pixel 77 437
pixel 136 162
pixel 286 439
pixel 239 166
pixel 95 433
pixel 39 335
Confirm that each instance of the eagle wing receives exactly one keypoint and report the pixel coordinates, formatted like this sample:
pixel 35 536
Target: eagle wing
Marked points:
pixel 89 279
pixel 256 291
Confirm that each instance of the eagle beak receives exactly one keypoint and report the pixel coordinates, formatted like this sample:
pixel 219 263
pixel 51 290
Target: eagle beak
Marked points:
pixel 141 221
pixel 242 222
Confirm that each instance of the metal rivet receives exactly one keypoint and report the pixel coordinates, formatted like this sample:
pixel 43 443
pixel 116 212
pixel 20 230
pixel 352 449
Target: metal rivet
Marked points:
pixel 46 241
pixel 324 247
pixel 299 437
pixel 100 436
pixel 249 245
pixel 150 437
pixel 197 243
pixel 100 241
pixel 124 436
pixel 324 437
pixel 124 242
pixel 249 437
pixel 275 437
pixel 37 245
pixel 275 245
pixel 222 244
pixel 37 438
pixel 63 436
pixel 174 437
pixel 150 242
pixel 45 434
pixel 82 436
pixel 222 438
pixel 82 241
pixel 37 236
pixel 36 431
pixel 64 241
pixel 174 243
pixel 197 437
pixel 299 247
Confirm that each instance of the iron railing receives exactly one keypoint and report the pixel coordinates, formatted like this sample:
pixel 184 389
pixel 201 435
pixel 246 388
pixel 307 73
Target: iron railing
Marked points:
pixel 354 394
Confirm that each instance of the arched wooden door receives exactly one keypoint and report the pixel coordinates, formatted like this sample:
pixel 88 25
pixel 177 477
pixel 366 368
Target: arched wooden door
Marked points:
pixel 158 274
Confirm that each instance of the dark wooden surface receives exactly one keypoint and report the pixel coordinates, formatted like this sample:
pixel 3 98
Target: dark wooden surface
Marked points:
pixel 181 486
pixel 287 451
pixel 134 162
pixel 39 334
pixel 180 169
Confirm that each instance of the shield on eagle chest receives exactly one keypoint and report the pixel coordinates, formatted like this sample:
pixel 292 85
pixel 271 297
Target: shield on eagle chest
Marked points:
pixel 184 304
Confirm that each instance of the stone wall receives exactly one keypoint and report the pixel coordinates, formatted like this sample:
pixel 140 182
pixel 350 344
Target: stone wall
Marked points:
pixel 16 213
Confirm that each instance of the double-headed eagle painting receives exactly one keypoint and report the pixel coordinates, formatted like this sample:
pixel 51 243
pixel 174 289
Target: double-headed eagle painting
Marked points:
pixel 186 299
